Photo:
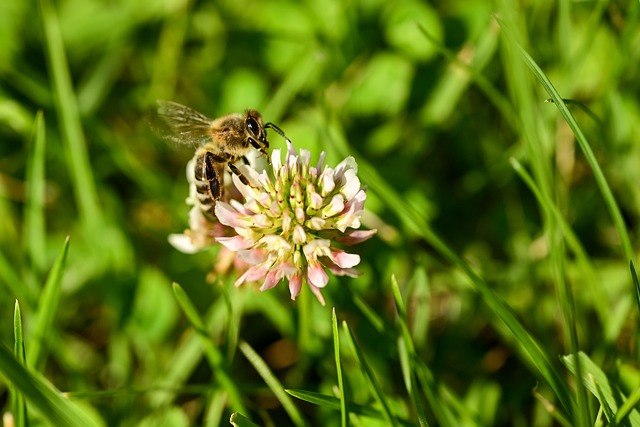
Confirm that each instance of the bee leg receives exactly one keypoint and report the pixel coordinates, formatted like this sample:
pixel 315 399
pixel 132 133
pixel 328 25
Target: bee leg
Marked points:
pixel 277 130
pixel 210 175
pixel 235 170
pixel 245 160
pixel 261 148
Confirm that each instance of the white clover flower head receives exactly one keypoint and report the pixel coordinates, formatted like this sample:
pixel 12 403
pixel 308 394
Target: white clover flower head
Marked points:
pixel 289 223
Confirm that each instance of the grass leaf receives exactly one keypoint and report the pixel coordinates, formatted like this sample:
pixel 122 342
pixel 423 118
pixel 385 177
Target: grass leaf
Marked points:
pixel 344 410
pixel 598 384
pixel 238 420
pixel 407 352
pixel 34 224
pixel 273 383
pixel 603 185
pixel 56 409
pixel 68 113
pixel 374 386
pixel 214 356
pixel 47 308
pixel 18 403
pixel 334 403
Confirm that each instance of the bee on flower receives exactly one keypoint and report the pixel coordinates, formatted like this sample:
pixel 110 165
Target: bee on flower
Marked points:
pixel 289 223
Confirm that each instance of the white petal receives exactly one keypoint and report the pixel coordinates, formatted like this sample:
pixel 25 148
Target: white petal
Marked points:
pixel 183 243
pixel 299 236
pixel 344 260
pixel 235 243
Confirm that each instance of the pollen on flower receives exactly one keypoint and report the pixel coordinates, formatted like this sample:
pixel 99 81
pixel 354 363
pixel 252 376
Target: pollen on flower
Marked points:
pixel 289 223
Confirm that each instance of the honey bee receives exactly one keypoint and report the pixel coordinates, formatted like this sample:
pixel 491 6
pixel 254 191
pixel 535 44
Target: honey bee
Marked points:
pixel 221 142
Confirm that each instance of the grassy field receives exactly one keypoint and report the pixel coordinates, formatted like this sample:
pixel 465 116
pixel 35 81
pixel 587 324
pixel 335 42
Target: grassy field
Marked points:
pixel 500 147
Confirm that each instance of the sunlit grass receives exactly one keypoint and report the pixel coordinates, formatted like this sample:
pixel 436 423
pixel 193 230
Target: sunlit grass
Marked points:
pixel 506 224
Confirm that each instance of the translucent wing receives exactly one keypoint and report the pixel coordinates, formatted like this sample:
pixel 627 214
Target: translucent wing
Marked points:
pixel 180 124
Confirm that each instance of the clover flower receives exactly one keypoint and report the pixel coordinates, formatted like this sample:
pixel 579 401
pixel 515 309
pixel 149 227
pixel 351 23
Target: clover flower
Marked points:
pixel 288 225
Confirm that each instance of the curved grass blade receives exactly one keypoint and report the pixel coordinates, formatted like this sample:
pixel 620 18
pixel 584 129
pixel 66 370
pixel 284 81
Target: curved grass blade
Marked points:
pixel 416 221
pixel 601 180
pixel 47 308
pixel 628 406
pixel 273 383
pixel 374 386
pixel 407 352
pixel 215 408
pixel 19 408
pixel 332 402
pixel 67 109
pixel 212 352
pixel 238 420
pixel 34 225
pixel 598 384
pixel 56 409
pixel 344 410
pixel 590 273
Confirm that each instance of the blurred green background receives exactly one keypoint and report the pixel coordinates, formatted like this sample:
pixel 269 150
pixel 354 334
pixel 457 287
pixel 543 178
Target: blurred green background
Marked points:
pixel 432 100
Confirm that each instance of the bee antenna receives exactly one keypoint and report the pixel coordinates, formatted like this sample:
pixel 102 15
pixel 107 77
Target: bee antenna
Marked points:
pixel 277 130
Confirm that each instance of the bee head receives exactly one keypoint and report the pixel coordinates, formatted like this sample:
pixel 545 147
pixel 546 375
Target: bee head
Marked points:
pixel 256 135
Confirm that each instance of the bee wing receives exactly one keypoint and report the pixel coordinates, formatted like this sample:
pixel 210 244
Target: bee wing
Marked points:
pixel 180 124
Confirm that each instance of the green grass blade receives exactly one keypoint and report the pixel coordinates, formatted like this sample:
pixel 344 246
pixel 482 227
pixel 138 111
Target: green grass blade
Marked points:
pixel 34 224
pixel 603 185
pixel 552 410
pixel 440 408
pixel 636 285
pixel 344 410
pixel 45 399
pixel 332 402
pixel 273 383
pixel 67 109
pixel 18 405
pixel 238 420
pixel 416 221
pixel 214 356
pixel 590 274
pixel 215 408
pixel 371 315
pixel 407 352
pixel 598 384
pixel 374 386
pixel 47 308
pixel 628 406
pixel 605 407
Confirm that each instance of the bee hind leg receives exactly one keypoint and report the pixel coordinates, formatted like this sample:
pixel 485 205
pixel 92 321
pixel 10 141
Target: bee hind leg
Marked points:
pixel 239 174
pixel 211 176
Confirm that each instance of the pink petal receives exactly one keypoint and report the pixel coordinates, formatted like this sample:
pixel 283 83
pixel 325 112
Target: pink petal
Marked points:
pixel 253 273
pixel 272 279
pixel 295 284
pixel 316 275
pixel 253 256
pixel 317 293
pixel 343 259
pixel 229 216
pixel 351 237
pixel 235 243
pixel 338 271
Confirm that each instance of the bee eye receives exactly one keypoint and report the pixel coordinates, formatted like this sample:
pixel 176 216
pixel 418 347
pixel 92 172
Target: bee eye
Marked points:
pixel 253 126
